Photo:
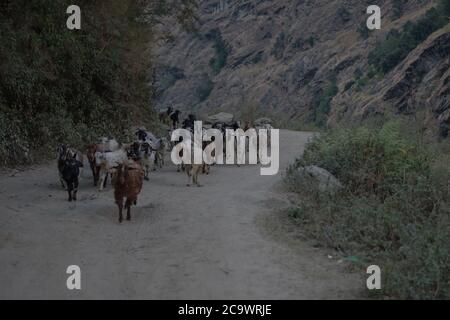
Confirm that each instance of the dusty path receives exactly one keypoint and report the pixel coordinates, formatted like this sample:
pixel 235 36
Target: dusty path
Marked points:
pixel 183 243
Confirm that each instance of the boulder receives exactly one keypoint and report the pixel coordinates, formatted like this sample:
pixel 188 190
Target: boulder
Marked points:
pixel 263 121
pixel 222 117
pixel 324 179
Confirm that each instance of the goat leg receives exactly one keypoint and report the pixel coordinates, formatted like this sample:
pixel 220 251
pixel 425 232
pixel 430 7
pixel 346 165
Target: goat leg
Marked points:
pixel 195 177
pixel 102 180
pixel 94 173
pixel 63 183
pixel 162 160
pixel 120 205
pixel 147 169
pixel 188 172
pixel 106 180
pixel 75 189
pixel 128 206
pixel 69 190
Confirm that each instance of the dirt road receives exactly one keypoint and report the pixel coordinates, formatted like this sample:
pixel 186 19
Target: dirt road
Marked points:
pixel 183 243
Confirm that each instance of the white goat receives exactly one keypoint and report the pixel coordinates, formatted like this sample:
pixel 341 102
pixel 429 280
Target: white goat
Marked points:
pixel 147 158
pixel 107 162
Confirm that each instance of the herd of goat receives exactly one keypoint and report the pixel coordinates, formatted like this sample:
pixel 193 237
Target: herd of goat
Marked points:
pixel 128 165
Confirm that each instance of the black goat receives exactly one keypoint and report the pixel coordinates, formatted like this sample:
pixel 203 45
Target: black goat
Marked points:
pixel 70 172
pixel 141 135
pixel 175 117
pixel 189 122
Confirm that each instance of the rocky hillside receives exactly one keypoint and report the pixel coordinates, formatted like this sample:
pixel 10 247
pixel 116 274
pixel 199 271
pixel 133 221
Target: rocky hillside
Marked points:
pixel 311 62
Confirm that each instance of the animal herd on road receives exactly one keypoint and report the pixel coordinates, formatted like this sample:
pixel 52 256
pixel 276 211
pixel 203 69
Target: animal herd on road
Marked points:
pixel 129 164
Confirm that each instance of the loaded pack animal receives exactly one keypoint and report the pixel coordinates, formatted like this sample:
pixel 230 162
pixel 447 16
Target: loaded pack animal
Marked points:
pixel 193 170
pixel 146 157
pixel 127 180
pixel 180 167
pixel 107 162
pixel 144 135
pixel 189 122
pixel 160 150
pixel 65 152
pixel 175 118
pixel 235 125
pixel 164 116
pixel 69 170
pixel 105 145
pixel 153 147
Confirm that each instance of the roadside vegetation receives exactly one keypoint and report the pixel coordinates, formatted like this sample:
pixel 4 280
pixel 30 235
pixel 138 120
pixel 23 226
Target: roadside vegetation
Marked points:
pixel 392 209
pixel 58 85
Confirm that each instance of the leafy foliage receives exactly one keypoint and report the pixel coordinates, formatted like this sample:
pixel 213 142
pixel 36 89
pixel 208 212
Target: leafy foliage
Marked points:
pixel 363 31
pixel 58 85
pixel 323 104
pixel 222 51
pixel 398 44
pixel 392 212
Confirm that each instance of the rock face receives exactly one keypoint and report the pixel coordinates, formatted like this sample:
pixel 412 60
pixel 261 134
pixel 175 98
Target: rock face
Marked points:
pixel 285 56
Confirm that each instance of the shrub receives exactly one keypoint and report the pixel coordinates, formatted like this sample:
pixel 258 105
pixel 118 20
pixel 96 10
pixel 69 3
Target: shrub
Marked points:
pixel 391 212
pixel 222 51
pixel 66 86
pixel 363 31
pixel 398 44
pixel 58 85
pixel 323 103
pixel 397 8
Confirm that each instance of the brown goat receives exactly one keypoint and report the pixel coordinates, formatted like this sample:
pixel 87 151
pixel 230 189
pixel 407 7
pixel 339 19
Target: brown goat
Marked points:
pixel 192 171
pixel 90 153
pixel 127 181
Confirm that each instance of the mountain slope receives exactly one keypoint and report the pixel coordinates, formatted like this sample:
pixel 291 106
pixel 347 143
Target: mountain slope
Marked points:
pixel 306 62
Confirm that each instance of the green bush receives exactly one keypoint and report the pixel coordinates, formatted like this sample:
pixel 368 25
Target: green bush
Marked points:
pixel 397 8
pixel 222 51
pixel 398 44
pixel 391 211
pixel 58 85
pixel 363 31
pixel 322 106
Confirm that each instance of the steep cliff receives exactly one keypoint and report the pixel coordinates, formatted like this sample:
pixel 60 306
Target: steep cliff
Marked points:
pixel 311 62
